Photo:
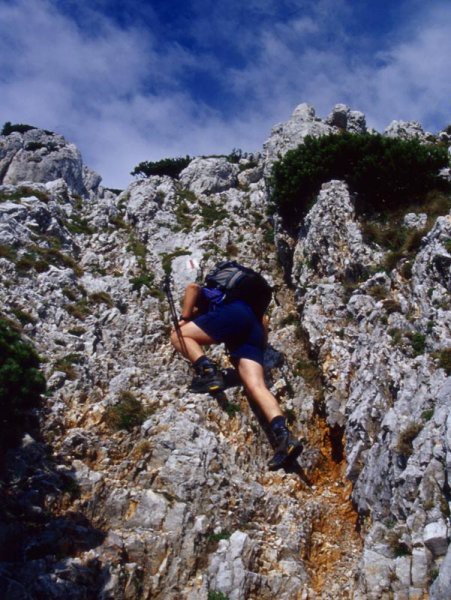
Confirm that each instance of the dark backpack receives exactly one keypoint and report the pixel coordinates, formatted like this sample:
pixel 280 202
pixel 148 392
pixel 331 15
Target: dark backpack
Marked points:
pixel 240 283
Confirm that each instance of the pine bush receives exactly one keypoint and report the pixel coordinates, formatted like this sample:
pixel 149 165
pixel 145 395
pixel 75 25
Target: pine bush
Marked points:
pixel 21 383
pixel 167 166
pixel 385 173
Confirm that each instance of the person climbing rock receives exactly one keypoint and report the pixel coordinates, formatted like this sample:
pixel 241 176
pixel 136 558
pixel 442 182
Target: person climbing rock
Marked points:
pixel 230 309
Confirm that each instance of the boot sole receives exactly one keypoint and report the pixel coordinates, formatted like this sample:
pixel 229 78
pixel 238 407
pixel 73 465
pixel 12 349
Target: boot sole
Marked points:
pixel 213 389
pixel 292 454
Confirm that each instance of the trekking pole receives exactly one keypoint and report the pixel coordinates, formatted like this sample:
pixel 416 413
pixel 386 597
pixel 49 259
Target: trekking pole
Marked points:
pixel 173 311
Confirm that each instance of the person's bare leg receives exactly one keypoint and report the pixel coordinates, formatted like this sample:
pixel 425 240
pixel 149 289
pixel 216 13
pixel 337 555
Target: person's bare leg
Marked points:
pixel 287 447
pixel 253 378
pixel 194 339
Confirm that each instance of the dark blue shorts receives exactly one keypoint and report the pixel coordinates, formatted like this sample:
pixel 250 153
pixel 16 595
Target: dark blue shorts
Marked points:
pixel 236 326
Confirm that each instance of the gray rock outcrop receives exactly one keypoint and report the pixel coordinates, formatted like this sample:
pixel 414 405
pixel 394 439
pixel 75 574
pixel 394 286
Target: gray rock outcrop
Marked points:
pixel 135 488
pixel 40 156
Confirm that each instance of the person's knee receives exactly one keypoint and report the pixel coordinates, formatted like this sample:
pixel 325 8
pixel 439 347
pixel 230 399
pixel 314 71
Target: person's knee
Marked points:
pixel 174 338
pixel 194 287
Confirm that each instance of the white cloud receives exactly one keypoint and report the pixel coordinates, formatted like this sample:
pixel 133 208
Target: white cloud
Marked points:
pixel 120 93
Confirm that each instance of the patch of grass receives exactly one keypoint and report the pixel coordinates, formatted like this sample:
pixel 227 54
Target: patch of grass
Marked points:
pixel 379 292
pixel 232 409
pixel 212 215
pixel 183 216
pixel 351 280
pixel 217 537
pixel 80 310
pixel 433 575
pixel 24 191
pixel 214 595
pixel 418 342
pixel 101 298
pixel 268 236
pixel 406 438
pixel 396 336
pixel 166 261
pixel 8 252
pixel 387 230
pixel 141 449
pixel 118 222
pixel 40 259
pixel 427 414
pixel 444 359
pixel 28 262
pixel 138 249
pixel 70 294
pixel 391 306
pixel 66 364
pixel 23 316
pixel 146 279
pixel 79 225
pixel 126 414
pixel 232 250
pixel 78 331
pixel 309 372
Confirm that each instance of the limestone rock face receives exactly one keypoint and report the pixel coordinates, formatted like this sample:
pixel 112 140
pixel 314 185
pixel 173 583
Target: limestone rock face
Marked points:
pixel 42 156
pixel 408 130
pixel 346 119
pixel 386 394
pixel 209 175
pixel 287 136
pixel 132 487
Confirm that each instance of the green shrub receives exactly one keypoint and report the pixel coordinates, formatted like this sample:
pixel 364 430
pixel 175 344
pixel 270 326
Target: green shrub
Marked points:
pixel 21 383
pixel 386 173
pixel 167 166
pixel 235 156
pixel 9 127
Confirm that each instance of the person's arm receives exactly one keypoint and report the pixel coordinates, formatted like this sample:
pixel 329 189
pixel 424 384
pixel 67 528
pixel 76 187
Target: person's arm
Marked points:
pixel 189 302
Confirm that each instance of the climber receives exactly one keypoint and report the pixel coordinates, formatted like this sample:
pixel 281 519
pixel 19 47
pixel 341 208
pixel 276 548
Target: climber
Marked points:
pixel 233 315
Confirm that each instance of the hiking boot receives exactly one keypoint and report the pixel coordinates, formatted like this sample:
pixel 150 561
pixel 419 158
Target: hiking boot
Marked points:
pixel 231 378
pixel 287 450
pixel 208 380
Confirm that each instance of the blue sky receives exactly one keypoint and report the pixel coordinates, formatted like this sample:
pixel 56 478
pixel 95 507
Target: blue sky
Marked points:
pixel 132 81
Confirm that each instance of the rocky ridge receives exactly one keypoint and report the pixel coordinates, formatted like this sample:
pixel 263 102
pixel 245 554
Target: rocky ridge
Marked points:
pixel 182 506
